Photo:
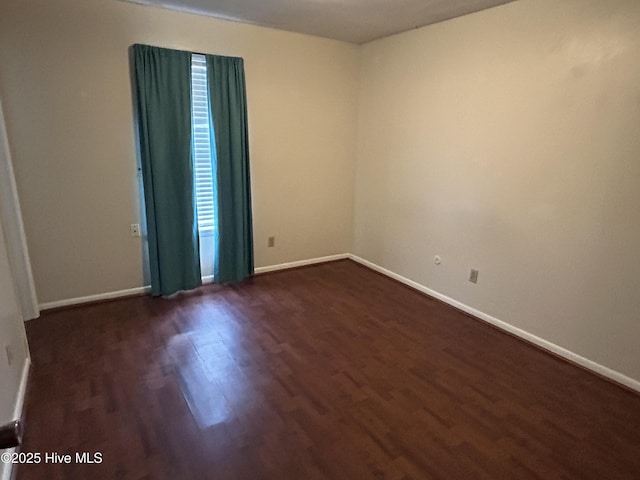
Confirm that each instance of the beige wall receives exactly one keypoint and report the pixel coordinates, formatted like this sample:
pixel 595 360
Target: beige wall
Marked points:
pixel 509 141
pixel 65 86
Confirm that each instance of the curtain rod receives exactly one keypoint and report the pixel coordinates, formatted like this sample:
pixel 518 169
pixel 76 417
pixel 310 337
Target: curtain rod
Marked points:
pixel 185 51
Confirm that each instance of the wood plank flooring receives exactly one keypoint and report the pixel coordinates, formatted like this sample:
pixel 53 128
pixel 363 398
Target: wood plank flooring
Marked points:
pixel 325 372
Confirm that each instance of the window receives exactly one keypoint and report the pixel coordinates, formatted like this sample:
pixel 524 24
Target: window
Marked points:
pixel 186 149
pixel 201 121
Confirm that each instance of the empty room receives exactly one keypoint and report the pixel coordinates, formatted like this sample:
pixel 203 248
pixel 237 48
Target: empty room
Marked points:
pixel 319 239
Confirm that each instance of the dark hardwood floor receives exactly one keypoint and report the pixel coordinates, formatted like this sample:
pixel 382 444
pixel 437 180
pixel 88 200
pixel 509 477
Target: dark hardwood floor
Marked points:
pixel 325 372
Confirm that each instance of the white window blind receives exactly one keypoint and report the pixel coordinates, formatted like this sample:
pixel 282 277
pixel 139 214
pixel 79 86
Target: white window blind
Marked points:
pixel 202 154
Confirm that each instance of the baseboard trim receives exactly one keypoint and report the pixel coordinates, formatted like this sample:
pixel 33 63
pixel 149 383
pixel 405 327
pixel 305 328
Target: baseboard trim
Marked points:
pixel 568 355
pixel 301 263
pixel 22 390
pixel 18 409
pixel 205 280
pixel 95 298
pixel 546 345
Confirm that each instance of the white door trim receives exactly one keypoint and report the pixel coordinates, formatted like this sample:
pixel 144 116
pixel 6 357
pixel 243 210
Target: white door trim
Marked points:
pixel 14 230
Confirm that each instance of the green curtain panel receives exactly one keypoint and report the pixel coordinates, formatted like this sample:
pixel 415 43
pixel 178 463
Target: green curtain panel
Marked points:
pixel 234 235
pixel 162 86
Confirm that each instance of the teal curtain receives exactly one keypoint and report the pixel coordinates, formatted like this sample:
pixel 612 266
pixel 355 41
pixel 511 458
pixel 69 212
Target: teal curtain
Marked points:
pixel 234 235
pixel 162 87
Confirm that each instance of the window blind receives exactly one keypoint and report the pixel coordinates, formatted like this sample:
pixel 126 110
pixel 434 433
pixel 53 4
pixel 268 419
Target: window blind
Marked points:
pixel 202 155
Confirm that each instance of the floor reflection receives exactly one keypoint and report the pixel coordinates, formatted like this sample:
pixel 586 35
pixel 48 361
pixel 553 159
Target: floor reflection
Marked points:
pixel 204 362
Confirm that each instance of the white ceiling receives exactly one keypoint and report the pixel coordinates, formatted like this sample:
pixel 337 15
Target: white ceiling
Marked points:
pixel 357 21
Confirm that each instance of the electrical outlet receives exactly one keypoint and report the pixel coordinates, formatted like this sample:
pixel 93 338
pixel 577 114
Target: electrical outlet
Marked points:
pixel 473 276
pixel 135 229
pixel 271 242
pixel 7 348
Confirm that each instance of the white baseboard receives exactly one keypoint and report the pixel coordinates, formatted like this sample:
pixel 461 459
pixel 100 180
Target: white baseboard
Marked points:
pixel 205 280
pixel 22 389
pixel 283 266
pixel 95 298
pixel 6 469
pixel 302 263
pixel 540 342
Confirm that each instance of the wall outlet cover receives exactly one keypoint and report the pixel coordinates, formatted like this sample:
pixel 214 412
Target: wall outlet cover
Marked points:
pixel 9 354
pixel 473 276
